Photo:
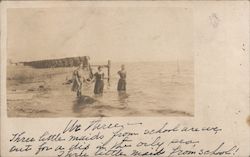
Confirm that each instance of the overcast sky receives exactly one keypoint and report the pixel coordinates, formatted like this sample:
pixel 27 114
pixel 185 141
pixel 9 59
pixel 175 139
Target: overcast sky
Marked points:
pixel 119 34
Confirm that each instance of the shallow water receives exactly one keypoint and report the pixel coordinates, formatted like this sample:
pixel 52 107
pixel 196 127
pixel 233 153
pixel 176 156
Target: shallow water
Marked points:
pixel 153 89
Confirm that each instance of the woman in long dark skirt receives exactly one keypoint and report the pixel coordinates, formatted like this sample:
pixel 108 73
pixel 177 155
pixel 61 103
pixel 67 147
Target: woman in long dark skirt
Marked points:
pixel 122 81
pixel 99 83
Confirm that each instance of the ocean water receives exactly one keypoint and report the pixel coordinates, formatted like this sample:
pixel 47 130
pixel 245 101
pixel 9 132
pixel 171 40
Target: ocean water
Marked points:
pixel 153 89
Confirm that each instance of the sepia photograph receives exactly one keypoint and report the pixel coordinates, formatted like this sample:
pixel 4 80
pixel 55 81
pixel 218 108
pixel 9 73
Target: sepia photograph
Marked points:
pixel 124 78
pixel 100 62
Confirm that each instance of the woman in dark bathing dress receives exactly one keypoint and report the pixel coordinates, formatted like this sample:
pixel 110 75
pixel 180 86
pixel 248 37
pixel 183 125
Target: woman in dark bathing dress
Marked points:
pixel 122 81
pixel 99 83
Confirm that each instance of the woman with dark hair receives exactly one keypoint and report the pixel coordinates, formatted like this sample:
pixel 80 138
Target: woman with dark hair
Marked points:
pixel 99 83
pixel 122 81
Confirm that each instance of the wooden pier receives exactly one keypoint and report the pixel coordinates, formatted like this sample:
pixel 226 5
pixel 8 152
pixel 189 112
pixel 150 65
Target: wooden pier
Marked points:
pixel 67 62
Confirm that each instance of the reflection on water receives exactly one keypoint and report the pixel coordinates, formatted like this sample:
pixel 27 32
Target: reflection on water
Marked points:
pixel 81 102
pixel 123 98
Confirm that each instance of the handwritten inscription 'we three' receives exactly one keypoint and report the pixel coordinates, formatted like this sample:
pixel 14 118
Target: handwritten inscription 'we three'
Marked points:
pixel 97 138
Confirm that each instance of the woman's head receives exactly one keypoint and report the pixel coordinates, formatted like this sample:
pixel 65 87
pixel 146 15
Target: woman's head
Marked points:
pixel 99 68
pixel 123 67
pixel 80 65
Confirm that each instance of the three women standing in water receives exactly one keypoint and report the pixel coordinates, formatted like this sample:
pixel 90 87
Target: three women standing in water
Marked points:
pixel 98 78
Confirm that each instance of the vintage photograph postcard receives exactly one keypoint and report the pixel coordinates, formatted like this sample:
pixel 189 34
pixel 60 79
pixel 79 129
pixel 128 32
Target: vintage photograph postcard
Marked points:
pixel 125 78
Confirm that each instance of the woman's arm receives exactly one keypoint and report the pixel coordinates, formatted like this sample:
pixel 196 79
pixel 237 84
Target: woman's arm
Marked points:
pixel 103 76
pixel 78 78
pixel 92 79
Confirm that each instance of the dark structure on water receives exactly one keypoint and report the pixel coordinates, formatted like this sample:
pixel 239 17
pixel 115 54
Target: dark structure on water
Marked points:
pixel 62 62
pixel 66 62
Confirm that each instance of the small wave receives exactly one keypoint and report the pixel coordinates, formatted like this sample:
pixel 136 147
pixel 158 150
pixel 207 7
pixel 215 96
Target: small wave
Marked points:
pixel 85 100
pixel 34 111
pixel 108 107
pixel 170 111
